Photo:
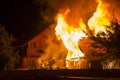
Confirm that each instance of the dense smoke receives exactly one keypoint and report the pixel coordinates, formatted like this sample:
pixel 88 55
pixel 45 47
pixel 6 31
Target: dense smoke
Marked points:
pixel 78 9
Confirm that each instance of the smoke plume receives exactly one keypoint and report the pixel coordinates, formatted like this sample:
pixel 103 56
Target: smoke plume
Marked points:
pixel 78 9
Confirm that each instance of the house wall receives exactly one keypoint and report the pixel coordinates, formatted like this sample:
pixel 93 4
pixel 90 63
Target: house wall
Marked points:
pixel 30 61
pixel 34 50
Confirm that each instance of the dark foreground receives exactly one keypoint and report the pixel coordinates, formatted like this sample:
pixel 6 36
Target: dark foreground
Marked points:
pixel 85 74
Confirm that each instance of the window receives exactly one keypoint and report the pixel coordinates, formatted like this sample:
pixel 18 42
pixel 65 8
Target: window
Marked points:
pixel 33 45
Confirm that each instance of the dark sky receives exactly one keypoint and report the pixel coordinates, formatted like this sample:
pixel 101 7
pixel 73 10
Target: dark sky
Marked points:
pixel 21 18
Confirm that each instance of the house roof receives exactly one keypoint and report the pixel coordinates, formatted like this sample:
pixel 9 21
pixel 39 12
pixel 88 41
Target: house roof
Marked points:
pixel 32 34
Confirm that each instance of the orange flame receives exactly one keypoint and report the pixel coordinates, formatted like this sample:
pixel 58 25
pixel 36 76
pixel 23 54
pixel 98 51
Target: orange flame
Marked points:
pixel 70 36
pixel 100 19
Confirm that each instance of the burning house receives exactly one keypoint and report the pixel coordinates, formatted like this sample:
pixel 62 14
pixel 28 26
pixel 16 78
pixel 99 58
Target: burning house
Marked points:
pixel 66 44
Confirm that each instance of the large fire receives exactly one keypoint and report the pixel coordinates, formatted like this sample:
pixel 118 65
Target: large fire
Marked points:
pixel 70 35
pixel 100 19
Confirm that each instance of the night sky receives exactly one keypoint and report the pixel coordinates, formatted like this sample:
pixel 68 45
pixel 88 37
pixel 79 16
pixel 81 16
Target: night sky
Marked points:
pixel 22 19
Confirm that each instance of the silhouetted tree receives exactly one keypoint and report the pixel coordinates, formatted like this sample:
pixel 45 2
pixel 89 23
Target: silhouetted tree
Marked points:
pixel 109 41
pixel 8 57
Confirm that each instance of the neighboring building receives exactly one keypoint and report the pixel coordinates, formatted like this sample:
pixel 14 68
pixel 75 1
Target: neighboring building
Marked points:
pixel 43 49
pixel 34 50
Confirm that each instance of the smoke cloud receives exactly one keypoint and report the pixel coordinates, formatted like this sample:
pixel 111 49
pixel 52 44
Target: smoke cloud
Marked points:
pixel 78 9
